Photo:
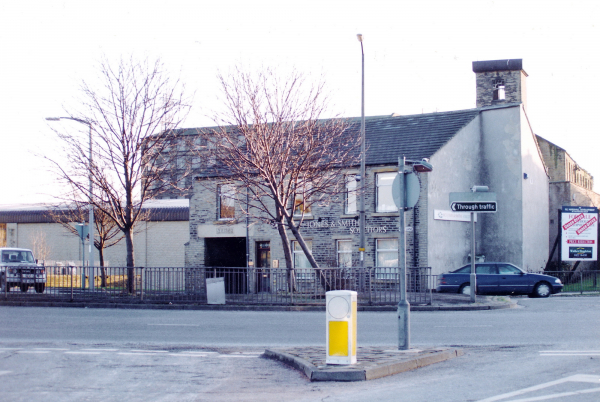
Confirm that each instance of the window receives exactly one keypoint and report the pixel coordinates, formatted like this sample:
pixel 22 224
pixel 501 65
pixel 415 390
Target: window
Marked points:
pixel 2 234
pixel 498 89
pixel 226 202
pixel 301 205
pixel 300 260
pixel 350 202
pixel 386 258
pixel 344 253
pixel 505 269
pixel 385 201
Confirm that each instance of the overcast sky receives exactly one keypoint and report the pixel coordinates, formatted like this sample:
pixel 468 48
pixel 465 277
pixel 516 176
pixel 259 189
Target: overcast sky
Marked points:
pixel 417 60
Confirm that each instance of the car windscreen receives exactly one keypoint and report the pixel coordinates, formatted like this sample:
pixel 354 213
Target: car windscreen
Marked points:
pixel 12 256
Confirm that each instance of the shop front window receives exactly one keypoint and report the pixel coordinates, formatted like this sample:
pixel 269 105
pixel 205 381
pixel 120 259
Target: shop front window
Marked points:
pixel 344 253
pixel 387 258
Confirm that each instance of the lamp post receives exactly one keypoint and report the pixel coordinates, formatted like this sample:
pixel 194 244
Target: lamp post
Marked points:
pixel 361 176
pixel 405 201
pixel 91 216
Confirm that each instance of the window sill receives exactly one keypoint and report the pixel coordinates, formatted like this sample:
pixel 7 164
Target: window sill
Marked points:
pixel 384 214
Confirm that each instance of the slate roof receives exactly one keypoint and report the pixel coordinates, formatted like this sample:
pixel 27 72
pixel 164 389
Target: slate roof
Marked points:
pixel 415 136
pixel 159 211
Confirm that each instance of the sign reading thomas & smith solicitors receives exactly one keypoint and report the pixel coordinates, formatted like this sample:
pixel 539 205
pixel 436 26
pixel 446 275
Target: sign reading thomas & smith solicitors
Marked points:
pixel 579 233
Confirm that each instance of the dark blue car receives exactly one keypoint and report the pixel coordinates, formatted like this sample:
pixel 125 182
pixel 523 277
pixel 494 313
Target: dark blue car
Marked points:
pixel 499 278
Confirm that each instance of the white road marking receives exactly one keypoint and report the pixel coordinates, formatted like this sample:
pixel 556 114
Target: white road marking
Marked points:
pixel 76 352
pixel 554 396
pixel 150 351
pixel 594 379
pixel 189 354
pixel 5 372
pixel 33 351
pixel 570 353
pixel 176 325
pixel 462 326
pixel 50 349
pixel 101 350
pixel 246 355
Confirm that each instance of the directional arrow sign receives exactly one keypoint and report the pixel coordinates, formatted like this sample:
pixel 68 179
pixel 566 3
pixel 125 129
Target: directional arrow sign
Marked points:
pixel 473 206
pixel 473 202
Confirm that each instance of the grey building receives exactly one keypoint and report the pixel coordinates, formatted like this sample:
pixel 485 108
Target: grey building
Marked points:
pixel 491 145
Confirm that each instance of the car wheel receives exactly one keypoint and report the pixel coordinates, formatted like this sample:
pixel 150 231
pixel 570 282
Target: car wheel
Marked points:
pixel 465 289
pixel 542 289
pixel 24 288
pixel 39 287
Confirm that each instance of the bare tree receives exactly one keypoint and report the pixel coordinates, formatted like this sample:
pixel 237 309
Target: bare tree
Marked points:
pixel 133 114
pixel 272 142
pixel 107 234
pixel 39 245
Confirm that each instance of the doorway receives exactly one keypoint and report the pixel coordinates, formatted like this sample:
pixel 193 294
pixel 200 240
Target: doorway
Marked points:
pixel 263 260
pixel 227 257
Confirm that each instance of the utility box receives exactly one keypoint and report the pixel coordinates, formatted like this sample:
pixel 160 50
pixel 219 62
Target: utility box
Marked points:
pixel 215 290
pixel 341 327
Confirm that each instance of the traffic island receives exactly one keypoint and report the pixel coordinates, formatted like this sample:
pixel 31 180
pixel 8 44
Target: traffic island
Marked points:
pixel 372 363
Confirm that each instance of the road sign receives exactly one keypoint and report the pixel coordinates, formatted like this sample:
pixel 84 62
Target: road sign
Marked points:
pixel 413 188
pixel 82 230
pixel 473 202
pixel 473 206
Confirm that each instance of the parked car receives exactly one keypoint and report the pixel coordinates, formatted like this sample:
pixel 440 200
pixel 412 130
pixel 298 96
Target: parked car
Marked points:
pixel 499 278
pixel 19 268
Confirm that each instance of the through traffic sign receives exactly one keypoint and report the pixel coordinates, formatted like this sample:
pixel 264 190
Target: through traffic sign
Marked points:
pixel 489 206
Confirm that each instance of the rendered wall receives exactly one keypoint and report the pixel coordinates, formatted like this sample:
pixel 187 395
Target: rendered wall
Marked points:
pixel 156 244
pixel 535 201
pixel 456 168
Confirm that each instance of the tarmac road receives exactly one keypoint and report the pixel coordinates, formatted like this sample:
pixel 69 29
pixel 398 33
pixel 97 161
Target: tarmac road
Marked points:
pixel 61 354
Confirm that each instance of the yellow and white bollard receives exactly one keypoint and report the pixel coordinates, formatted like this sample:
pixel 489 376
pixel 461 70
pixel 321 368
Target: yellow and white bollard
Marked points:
pixel 341 327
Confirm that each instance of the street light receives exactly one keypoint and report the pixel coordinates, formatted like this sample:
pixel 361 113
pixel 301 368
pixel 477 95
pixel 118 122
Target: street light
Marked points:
pixel 361 176
pixel 405 167
pixel 91 217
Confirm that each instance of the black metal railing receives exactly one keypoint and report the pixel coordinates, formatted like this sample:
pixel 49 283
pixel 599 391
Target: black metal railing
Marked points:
pixel 267 286
pixel 577 281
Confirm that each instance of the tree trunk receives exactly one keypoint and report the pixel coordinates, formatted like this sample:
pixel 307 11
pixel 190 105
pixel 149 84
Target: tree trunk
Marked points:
pixel 102 267
pixel 308 253
pixel 130 261
pixel 285 241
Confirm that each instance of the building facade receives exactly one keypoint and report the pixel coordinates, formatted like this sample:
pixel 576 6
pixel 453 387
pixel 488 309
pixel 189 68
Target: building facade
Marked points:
pixel 491 145
pixel 158 241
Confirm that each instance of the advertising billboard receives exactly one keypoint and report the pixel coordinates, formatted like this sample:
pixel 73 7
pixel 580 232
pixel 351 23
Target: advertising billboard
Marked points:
pixel 579 233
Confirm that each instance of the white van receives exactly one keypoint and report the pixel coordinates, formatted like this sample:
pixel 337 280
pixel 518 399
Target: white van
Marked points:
pixel 19 268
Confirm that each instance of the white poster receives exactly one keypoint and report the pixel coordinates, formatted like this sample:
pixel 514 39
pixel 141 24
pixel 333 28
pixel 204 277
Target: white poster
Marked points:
pixel 579 233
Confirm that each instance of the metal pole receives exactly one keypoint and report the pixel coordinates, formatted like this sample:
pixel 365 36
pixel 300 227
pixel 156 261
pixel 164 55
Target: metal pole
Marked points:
pixel 362 223
pixel 82 257
pixel 473 275
pixel 403 304
pixel 91 221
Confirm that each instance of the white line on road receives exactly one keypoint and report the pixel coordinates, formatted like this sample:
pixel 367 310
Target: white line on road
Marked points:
pixel 76 352
pixel 101 350
pixel 150 351
pixel 176 325
pixel 462 326
pixel 5 372
pixel 50 349
pixel 33 351
pixel 574 378
pixel 188 354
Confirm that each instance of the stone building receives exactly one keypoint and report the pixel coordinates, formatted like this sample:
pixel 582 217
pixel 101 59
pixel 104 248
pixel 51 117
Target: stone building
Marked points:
pixel 491 145
pixel 570 185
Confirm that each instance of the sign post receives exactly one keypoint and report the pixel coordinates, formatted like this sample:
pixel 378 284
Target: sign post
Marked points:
pixel 405 191
pixel 478 200
pixel 82 231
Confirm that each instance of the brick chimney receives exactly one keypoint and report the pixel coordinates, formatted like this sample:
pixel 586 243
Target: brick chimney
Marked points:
pixel 499 82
